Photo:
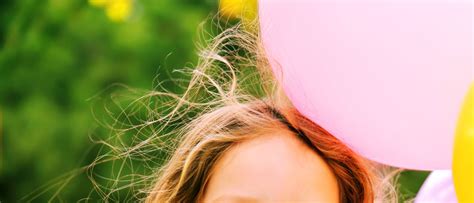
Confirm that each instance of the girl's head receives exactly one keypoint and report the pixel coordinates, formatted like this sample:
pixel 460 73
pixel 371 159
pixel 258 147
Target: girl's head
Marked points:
pixel 258 152
pixel 242 140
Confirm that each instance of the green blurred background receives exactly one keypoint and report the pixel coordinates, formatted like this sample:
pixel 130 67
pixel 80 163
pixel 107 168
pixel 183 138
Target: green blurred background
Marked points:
pixel 57 56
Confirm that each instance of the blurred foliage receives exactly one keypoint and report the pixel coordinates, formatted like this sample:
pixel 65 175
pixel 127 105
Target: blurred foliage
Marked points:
pixel 58 56
pixel 410 182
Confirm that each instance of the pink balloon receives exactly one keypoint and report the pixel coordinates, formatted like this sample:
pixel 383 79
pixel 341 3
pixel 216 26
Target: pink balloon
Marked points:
pixel 386 77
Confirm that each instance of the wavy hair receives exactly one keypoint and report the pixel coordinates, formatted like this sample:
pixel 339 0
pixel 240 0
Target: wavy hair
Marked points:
pixel 238 98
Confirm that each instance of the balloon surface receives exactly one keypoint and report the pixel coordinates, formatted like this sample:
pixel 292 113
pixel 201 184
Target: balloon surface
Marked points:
pixel 463 161
pixel 385 77
pixel 437 188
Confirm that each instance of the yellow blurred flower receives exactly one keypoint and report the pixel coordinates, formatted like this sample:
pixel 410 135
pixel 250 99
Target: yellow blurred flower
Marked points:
pixel 116 10
pixel 119 10
pixel 238 9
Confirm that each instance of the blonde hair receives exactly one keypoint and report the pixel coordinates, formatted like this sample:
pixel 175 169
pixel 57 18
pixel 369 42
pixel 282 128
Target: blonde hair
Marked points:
pixel 231 96
pixel 238 112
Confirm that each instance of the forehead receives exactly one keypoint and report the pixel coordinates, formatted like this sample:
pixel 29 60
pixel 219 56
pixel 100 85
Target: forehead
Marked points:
pixel 272 167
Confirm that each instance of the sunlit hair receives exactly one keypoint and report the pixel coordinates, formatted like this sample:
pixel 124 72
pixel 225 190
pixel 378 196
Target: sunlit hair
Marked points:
pixel 242 100
pixel 184 177
pixel 163 144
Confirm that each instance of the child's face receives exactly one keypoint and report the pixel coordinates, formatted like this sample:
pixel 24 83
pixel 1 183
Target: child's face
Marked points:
pixel 272 168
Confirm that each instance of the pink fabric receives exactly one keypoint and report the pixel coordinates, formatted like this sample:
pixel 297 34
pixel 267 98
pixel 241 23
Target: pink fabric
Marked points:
pixel 437 188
